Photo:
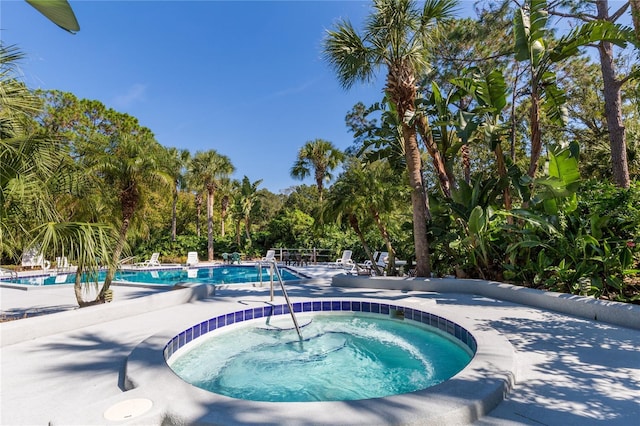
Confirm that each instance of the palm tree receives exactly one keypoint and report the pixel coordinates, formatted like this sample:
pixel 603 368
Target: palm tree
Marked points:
pixel 321 157
pixel 196 187
pixel 354 198
pixel 248 198
pixel 396 35
pixel 177 161
pixel 29 177
pixel 345 203
pixel 209 167
pixel 131 166
pixel 225 188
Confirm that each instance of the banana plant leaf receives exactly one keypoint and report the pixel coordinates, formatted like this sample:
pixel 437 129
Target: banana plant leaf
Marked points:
pixel 59 12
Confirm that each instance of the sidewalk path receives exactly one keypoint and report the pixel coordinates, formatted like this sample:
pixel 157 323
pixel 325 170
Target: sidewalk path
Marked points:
pixel 571 371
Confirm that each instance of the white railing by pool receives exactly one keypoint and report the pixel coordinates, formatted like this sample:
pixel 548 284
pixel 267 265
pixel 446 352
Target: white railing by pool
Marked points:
pixel 273 268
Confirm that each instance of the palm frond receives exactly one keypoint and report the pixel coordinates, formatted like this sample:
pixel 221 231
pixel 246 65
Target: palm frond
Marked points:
pixel 347 54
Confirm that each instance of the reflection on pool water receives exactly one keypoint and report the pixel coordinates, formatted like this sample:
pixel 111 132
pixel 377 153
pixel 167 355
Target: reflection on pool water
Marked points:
pixel 341 357
pixel 212 275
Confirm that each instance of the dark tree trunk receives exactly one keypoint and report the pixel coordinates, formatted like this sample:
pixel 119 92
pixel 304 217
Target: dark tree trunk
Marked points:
pixel 635 14
pixel 613 107
pixel 432 148
pixel 412 153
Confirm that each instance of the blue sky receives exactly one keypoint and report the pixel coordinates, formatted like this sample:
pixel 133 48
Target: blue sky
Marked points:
pixel 244 78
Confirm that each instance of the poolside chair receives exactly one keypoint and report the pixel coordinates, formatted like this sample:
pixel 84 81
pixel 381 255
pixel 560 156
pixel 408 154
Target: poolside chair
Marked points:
pixel 62 263
pixel 192 258
pixel 367 263
pixel 345 261
pixel 235 258
pixel 32 258
pixel 153 261
pixel 380 258
pixel 270 256
pixel 8 273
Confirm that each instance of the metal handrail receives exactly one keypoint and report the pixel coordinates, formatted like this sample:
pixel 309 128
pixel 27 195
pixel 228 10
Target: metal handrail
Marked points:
pixel 274 267
pixel 313 255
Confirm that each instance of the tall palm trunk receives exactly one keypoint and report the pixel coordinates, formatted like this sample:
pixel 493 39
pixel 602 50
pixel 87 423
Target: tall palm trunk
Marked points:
pixel 223 213
pixel 174 215
pixel 77 288
pixel 210 194
pixel 129 199
pixel 247 227
pixel 418 202
pixel 319 176
pixel 117 251
pixel 198 212
pixel 401 85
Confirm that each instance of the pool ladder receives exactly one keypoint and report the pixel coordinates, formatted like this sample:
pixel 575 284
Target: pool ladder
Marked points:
pixel 274 269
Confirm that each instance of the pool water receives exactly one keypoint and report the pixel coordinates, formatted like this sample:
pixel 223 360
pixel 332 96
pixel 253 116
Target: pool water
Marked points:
pixel 212 275
pixel 340 358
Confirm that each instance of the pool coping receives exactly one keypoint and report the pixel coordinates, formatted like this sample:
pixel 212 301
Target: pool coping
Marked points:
pixel 464 398
pixel 617 313
pixel 13 332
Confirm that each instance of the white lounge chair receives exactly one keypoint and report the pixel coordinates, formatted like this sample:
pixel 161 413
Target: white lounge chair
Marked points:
pixel 8 273
pixel 62 263
pixel 192 258
pixel 380 258
pixel 153 261
pixel 270 256
pixel 32 258
pixel 345 261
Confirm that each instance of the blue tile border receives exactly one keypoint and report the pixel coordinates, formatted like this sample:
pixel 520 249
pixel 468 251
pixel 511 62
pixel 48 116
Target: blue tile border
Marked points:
pixel 446 326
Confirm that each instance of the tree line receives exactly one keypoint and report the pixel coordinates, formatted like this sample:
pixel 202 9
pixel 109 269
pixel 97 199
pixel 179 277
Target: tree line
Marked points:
pixel 498 150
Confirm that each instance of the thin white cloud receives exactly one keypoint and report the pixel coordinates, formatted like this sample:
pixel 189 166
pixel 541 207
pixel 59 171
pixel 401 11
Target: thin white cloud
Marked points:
pixel 134 94
pixel 292 90
pixel 289 91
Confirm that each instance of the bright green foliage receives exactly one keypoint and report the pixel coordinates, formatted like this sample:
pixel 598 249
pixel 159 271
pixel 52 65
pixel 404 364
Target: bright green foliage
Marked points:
pixel 246 206
pixel 562 182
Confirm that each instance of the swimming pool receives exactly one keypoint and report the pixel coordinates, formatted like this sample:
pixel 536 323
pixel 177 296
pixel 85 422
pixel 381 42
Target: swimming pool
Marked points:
pixel 226 274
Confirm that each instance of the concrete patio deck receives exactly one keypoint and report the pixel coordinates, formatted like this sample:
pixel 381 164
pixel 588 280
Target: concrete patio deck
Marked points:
pixel 570 370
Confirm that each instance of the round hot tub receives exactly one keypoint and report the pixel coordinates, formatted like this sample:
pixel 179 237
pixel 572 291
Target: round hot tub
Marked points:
pixel 247 364
pixel 337 357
